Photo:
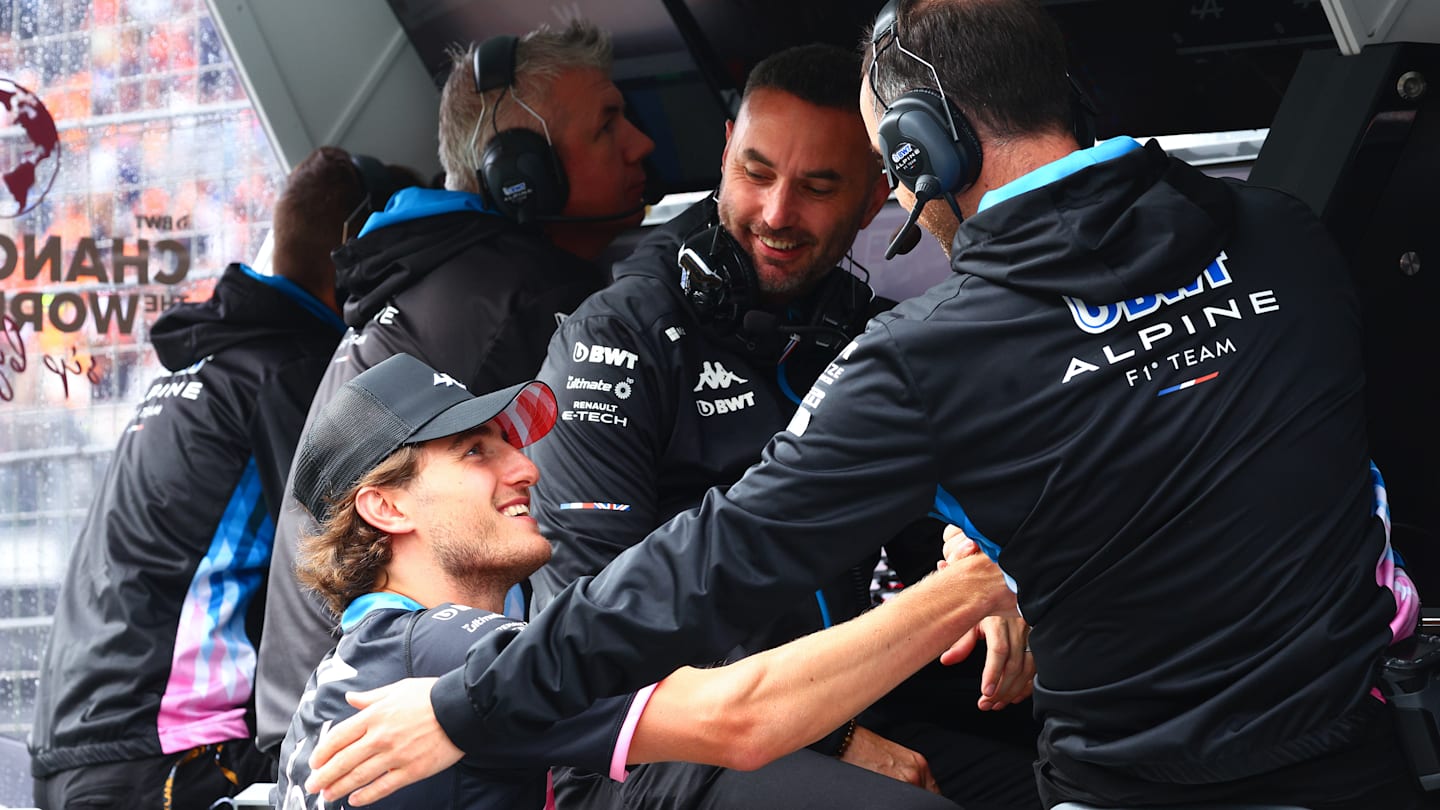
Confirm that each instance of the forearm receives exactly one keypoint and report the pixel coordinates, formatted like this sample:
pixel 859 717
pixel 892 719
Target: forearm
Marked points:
pixel 749 713
pixel 706 579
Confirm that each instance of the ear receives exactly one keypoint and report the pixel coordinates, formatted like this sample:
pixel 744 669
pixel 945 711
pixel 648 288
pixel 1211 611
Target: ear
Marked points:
pixel 878 195
pixel 725 153
pixel 380 508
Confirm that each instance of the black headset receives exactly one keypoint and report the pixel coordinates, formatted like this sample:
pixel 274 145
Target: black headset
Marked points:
pixel 722 289
pixel 376 180
pixel 520 175
pixel 716 277
pixel 377 185
pixel 921 133
pixel 926 143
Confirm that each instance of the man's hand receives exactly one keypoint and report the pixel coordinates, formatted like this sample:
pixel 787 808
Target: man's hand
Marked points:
pixel 872 752
pixel 394 741
pixel 1009 674
pixel 962 551
pixel 957 544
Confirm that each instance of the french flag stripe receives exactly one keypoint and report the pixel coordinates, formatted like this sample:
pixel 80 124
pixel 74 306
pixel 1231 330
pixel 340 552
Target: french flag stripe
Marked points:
pixel 1188 384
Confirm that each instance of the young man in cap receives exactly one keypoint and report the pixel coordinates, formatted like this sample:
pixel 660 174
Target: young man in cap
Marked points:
pixel 422 496
pixel 468 283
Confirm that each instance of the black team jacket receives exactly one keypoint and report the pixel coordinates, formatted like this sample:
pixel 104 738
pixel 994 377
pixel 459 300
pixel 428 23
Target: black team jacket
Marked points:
pixel 153 646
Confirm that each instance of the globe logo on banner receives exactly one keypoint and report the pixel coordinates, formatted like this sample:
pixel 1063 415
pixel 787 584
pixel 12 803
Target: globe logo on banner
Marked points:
pixel 29 150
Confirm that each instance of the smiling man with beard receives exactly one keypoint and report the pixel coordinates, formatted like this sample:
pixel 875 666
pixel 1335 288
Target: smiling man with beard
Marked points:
pixel 671 381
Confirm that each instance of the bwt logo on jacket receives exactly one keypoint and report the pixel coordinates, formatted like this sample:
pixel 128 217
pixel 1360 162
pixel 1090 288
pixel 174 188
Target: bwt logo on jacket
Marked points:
pixel 604 355
pixel 1100 318
pixel 716 407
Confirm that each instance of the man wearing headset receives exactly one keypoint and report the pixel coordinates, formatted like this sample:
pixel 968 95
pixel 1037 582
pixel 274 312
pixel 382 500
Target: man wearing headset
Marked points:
pixel 542 171
pixel 672 379
pixel 1141 392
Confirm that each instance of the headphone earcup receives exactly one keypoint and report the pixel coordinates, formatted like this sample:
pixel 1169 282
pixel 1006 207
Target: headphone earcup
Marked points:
pixel 521 176
pixel 494 64
pixel 915 140
pixel 375 180
pixel 716 278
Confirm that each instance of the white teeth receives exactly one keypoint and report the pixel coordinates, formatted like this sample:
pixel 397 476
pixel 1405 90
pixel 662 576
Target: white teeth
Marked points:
pixel 777 243
pixel 516 511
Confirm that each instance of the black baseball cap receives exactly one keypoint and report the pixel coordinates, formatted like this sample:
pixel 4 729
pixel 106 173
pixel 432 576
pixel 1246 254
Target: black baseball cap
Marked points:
pixel 403 401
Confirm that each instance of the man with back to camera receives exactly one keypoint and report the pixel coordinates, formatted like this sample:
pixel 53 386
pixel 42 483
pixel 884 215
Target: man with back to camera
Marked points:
pixel 424 527
pixel 1189 412
pixel 148 670
pixel 542 171
pixel 672 379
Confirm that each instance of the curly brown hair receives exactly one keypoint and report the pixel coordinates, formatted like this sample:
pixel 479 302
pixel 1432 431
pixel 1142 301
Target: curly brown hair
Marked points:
pixel 346 558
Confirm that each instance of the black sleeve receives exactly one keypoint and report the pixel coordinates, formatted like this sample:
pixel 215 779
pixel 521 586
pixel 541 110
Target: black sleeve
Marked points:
pixel 914 550
pixel 514 351
pixel 282 404
pixel 299 628
pixel 855 461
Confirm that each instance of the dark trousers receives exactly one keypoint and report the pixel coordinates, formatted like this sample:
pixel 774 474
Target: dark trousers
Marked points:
pixel 803 780
pixel 188 780
pixel 981 760
pixel 973 772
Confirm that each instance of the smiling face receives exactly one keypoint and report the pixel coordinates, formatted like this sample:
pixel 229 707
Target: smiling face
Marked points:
pixel 471 506
pixel 798 181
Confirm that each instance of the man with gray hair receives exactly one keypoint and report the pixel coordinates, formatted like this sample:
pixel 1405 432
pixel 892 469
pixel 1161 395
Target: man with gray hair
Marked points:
pixel 542 171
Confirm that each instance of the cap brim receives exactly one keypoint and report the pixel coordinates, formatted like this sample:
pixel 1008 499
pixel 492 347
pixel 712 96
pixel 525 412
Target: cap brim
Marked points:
pixel 526 412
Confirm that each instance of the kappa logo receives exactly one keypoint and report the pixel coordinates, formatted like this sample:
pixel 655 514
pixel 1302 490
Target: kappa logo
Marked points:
pixel 715 375
pixel 606 355
pixel 445 379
